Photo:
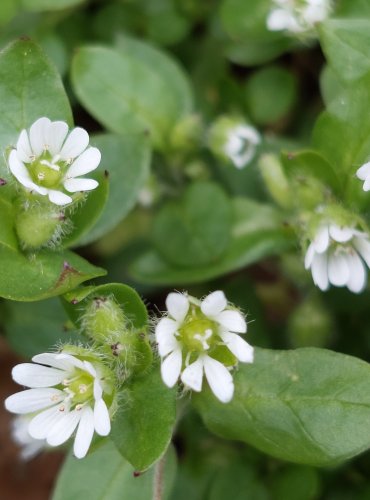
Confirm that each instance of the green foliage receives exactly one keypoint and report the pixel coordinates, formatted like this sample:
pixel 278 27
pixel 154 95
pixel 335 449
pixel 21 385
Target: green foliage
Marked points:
pixel 106 474
pixel 142 430
pixel 307 406
pixel 140 98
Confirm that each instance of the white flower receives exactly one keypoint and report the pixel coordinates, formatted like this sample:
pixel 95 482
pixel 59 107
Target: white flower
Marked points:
pixel 30 447
pixel 65 394
pixel 297 16
pixel 363 173
pixel 194 329
pixel 241 145
pixel 339 256
pixel 47 160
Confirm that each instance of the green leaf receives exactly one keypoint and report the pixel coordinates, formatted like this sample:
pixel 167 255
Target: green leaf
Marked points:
pixel 309 406
pixel 310 164
pixel 296 482
pixel 37 327
pixel 126 159
pixel 197 230
pixel 47 274
pixel 85 216
pixel 142 429
pixel 129 300
pixel 132 89
pixel 270 94
pixel 105 474
pixel 39 5
pixel 346 45
pixel 257 233
pixel 239 482
pixel 30 87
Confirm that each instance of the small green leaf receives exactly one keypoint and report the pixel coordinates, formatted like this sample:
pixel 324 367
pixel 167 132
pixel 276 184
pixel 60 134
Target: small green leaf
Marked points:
pixel 30 87
pixel 309 406
pixel 142 430
pixel 126 159
pixel 296 482
pixel 270 94
pixel 132 89
pixel 346 44
pixel 197 230
pixel 105 474
pixel 310 164
pixel 257 233
pixel 38 327
pixel 47 274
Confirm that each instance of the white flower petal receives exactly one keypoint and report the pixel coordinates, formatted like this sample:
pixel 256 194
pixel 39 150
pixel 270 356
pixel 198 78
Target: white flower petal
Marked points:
pixel 310 253
pixel 59 198
pixel 101 418
pixel 167 344
pixel 321 240
pixel 39 132
pixel 84 433
pixel 33 400
pixel 366 186
pixel 164 328
pixel 319 271
pixel 55 137
pixel 214 303
pixel 72 360
pixel 192 376
pixel 232 320
pixel 340 234
pixel 338 269
pixel 357 279
pixel 238 346
pixel 362 245
pixel 279 19
pixel 364 171
pixel 98 390
pixel 64 428
pixel 171 368
pixel 75 185
pixel 177 305
pixel 24 151
pixel 42 424
pixel 85 163
pixel 87 366
pixel 19 170
pixel 35 376
pixel 219 379
pixel 75 144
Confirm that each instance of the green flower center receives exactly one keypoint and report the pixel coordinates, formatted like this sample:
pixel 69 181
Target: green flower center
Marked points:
pixel 47 171
pixel 198 333
pixel 80 387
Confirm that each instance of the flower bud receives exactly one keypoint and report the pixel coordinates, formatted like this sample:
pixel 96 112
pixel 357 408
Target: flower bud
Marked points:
pixel 187 134
pixel 275 179
pixel 234 141
pixel 39 226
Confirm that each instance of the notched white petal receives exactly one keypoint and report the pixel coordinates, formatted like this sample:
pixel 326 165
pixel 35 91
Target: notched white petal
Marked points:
pixel 232 320
pixel 84 433
pixel 76 185
pixel 239 347
pixel 85 163
pixel 101 418
pixel 33 400
pixel 35 376
pixel 192 376
pixel 171 368
pixel 214 303
pixel 219 379
pixel 75 144
pixel 59 198
pixel 177 305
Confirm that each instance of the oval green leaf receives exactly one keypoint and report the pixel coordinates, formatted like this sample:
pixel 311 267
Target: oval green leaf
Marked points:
pixel 309 406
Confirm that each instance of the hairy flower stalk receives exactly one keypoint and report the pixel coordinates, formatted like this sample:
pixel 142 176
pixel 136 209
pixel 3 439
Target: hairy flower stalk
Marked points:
pixel 49 161
pixel 297 16
pixel 202 337
pixel 66 392
pixel 339 255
